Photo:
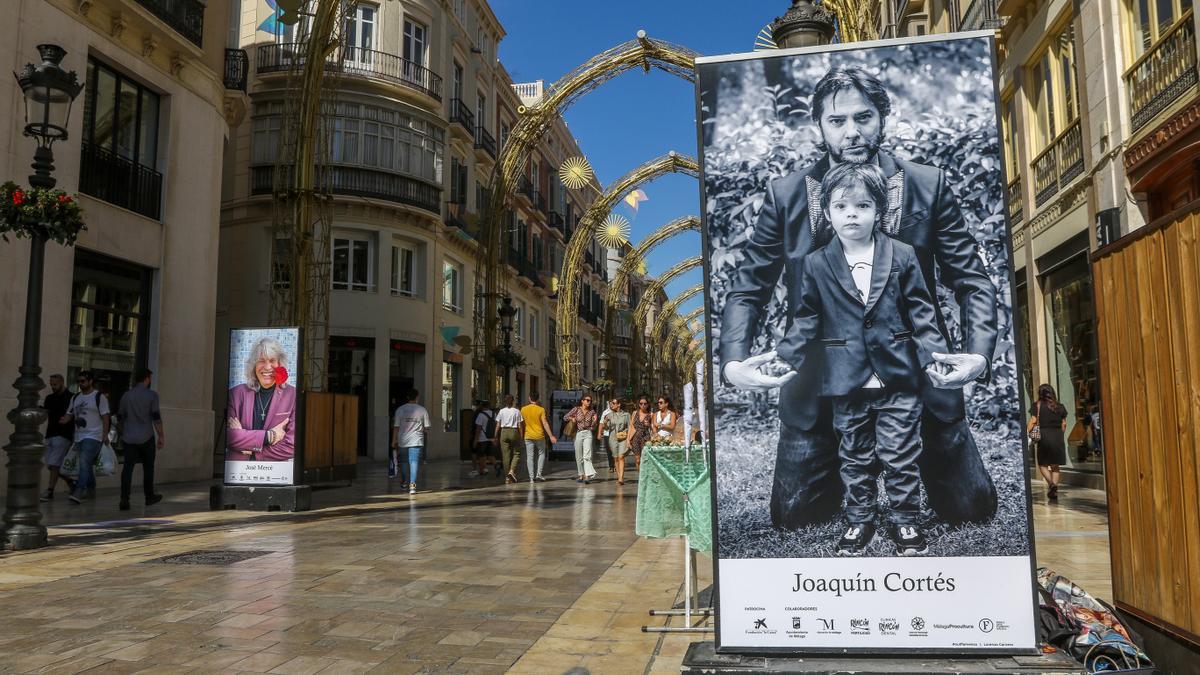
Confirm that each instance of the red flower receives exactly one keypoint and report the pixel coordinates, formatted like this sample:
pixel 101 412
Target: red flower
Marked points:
pixel 18 197
pixel 281 375
pixel 63 199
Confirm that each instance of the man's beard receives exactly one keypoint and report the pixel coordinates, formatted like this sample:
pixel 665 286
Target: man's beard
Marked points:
pixel 864 152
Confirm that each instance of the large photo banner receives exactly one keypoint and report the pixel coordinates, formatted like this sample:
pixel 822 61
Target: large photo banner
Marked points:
pixel 870 491
pixel 260 416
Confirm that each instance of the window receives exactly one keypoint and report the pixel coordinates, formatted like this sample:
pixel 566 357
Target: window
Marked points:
pixel 416 44
pixel 109 324
pixel 551 330
pixel 360 34
pixel 519 322
pixel 282 256
pixel 452 286
pixel 1152 20
pixel 1009 123
pixel 458 182
pixel 361 135
pixel 533 330
pixel 457 86
pixel 481 111
pixel 404 270
pixel 504 130
pixel 353 265
pixel 120 115
pixel 1056 98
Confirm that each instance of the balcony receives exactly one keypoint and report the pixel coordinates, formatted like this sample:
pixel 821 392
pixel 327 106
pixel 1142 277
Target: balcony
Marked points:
pixel 237 64
pixel 358 62
pixel 556 221
pixel 539 200
pixel 525 268
pixel 460 114
pixel 358 182
pixel 981 15
pixel 467 223
pixel 1058 164
pixel 1160 76
pixel 1016 202
pixel 185 16
pixel 485 141
pixel 119 181
pixel 525 188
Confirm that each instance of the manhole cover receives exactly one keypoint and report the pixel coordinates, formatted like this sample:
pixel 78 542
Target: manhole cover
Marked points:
pixel 210 557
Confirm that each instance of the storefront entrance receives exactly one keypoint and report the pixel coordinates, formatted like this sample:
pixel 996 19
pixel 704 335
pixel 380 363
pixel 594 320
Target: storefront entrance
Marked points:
pixel 350 373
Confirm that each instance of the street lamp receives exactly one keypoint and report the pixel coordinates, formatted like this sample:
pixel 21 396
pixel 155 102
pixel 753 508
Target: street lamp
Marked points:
pixel 603 361
pixel 804 24
pixel 49 92
pixel 507 312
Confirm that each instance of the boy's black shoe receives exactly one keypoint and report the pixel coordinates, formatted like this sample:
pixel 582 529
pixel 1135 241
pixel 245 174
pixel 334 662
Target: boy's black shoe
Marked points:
pixel 153 499
pixel 910 541
pixel 857 536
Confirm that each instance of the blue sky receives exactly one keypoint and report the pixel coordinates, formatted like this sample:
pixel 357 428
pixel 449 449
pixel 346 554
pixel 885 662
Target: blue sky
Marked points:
pixel 635 117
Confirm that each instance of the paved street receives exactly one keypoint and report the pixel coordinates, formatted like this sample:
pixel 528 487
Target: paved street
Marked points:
pixel 519 578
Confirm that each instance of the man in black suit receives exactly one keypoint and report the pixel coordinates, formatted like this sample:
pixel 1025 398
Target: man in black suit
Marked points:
pixel 851 108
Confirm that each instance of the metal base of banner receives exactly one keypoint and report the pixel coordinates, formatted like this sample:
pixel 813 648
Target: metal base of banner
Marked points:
pixel 701 657
pixel 254 498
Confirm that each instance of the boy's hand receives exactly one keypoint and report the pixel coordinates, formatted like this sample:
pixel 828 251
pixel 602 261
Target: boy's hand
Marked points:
pixel 747 374
pixel 964 369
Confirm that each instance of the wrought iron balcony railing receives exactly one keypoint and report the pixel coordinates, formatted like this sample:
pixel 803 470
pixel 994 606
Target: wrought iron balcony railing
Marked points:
pixel 556 220
pixel 185 16
pixel 461 114
pixel 359 182
pixel 1016 201
pixel 981 15
pixel 485 141
pixel 121 182
pixel 1058 164
pixel 1161 75
pixel 237 63
pixel 354 61
pixel 525 187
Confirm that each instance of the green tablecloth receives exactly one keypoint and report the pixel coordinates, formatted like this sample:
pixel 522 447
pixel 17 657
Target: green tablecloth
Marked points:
pixel 674 497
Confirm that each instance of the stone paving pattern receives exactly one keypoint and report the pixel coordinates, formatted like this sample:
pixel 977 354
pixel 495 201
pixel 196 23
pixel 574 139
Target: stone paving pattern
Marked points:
pixel 520 578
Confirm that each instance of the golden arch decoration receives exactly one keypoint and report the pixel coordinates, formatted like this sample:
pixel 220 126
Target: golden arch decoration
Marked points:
pixel 643 308
pixel 572 267
pixel 672 309
pixel 642 52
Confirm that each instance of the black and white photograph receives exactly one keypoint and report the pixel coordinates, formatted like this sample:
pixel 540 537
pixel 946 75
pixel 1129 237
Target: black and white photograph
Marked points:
pixel 865 404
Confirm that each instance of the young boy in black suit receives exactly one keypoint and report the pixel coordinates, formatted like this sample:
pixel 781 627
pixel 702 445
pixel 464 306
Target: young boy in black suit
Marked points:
pixel 866 320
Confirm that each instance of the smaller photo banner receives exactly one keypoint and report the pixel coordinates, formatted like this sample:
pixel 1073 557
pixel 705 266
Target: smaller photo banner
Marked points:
pixel 260 414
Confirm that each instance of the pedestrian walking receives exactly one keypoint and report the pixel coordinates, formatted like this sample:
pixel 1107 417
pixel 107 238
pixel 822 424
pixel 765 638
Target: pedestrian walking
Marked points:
pixel 1050 421
pixel 485 438
pixel 408 435
pixel 643 420
pixel 90 414
pixel 537 431
pixel 615 427
pixel 58 434
pixel 141 424
pixel 582 418
pixel 604 433
pixel 510 421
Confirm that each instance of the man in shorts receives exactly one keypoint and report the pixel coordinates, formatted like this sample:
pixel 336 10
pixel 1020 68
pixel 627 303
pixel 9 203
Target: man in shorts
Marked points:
pixel 58 435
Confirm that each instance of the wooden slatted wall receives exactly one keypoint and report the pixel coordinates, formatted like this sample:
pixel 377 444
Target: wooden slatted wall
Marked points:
pixel 1147 290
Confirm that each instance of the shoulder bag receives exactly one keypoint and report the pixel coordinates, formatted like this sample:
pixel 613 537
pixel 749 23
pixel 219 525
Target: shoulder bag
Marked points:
pixel 1035 434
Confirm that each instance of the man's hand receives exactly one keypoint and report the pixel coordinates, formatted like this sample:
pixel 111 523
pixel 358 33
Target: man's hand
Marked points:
pixel 234 423
pixel 161 442
pixel 276 433
pixel 965 369
pixel 746 374
pixel 553 439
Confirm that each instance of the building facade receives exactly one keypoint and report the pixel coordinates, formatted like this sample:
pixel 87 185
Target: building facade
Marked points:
pixel 420 110
pixel 138 289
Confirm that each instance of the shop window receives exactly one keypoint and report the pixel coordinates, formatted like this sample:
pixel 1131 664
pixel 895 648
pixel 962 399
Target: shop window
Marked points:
pixel 110 312
pixel 1070 318
pixel 450 375
pixel 353 265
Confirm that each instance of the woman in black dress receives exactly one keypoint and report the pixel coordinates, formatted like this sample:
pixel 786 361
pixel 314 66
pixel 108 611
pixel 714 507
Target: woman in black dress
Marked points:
pixel 1051 419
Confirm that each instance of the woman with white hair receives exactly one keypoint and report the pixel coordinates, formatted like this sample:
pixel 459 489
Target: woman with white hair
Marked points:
pixel 262 408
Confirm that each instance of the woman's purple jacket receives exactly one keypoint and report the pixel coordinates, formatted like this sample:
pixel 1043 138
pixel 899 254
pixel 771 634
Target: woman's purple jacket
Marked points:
pixel 241 408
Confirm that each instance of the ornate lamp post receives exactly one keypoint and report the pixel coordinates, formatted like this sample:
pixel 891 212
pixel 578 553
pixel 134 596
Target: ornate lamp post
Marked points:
pixel 49 92
pixel 803 25
pixel 507 312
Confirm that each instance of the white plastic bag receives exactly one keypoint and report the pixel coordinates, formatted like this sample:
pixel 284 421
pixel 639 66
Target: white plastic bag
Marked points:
pixel 70 465
pixel 106 461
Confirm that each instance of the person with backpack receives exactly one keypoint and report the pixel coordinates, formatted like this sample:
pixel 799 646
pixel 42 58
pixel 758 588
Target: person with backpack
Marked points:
pixel 485 436
pixel 90 414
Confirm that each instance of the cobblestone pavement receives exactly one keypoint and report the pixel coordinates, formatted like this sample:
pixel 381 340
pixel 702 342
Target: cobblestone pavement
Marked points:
pixel 532 578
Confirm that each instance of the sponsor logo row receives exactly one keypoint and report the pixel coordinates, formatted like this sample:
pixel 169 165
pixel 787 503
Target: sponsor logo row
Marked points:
pixel 915 626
